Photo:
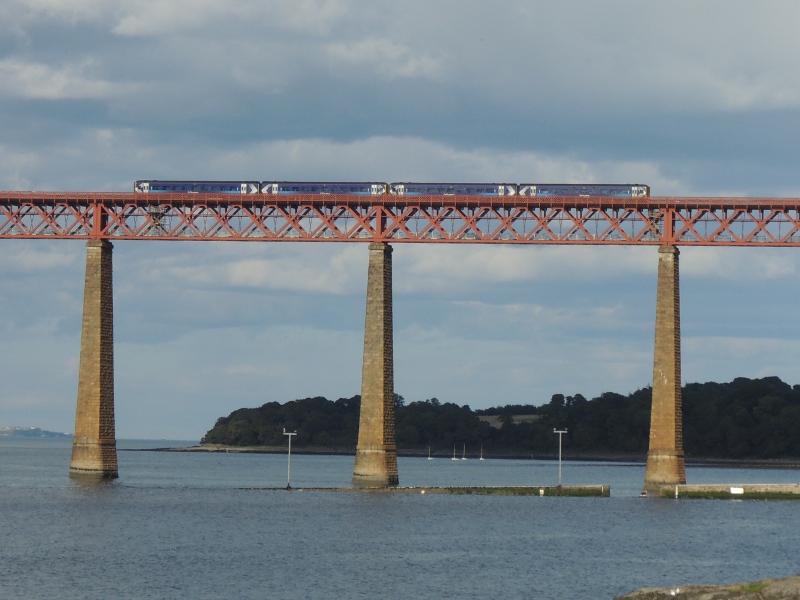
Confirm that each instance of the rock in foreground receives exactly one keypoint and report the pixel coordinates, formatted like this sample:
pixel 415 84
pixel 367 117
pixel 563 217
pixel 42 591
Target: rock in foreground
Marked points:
pixel 766 589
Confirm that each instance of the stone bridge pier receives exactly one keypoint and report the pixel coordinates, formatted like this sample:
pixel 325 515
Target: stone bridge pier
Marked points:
pixel 94 451
pixel 376 452
pixel 94 447
pixel 665 462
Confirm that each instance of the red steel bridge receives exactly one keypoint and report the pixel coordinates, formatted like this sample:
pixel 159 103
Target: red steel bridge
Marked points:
pixel 101 218
pixel 395 219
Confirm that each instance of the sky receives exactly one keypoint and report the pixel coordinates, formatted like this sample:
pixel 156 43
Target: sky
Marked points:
pixel 691 98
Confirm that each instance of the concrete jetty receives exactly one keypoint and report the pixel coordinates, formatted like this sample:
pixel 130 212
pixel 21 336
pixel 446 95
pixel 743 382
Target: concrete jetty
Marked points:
pixel 601 491
pixel 735 491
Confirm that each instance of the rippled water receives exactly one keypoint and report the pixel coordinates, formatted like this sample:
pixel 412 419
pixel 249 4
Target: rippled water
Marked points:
pixel 182 526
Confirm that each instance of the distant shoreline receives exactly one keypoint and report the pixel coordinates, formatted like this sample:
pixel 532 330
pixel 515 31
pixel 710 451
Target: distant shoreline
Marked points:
pixel 634 460
pixel 31 433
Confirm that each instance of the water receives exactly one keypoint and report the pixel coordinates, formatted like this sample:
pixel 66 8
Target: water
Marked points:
pixel 185 526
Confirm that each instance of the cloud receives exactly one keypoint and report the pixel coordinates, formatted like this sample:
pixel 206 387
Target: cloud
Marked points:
pixel 244 366
pixel 687 97
pixel 386 58
pixel 681 57
pixel 493 372
pixel 245 369
pixel 722 358
pixel 13 166
pixel 336 271
pixel 759 264
pixel 27 80
pixel 152 18
pixel 537 59
pixel 728 67
pixel 521 319
pixel 438 268
pixel 570 101
pixel 25 12
pixel 128 155
pixel 405 158
pixel 24 257
pixel 38 385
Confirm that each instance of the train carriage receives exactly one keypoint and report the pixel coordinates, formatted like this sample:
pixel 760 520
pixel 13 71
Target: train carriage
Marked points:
pixel 453 189
pixel 369 188
pixel 197 187
pixel 561 189
pixel 372 188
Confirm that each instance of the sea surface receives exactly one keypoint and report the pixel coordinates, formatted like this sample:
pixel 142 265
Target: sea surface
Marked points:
pixel 191 525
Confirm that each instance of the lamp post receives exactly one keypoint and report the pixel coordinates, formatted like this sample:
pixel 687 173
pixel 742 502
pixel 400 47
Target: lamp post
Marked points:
pixel 289 469
pixel 559 453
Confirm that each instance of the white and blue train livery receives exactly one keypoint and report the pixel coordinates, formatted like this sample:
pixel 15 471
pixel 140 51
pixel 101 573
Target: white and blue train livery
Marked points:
pixel 570 189
pixel 197 187
pixel 322 187
pixel 373 188
pixel 453 189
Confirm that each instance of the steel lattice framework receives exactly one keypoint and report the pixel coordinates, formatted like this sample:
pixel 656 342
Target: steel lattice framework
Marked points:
pixel 388 218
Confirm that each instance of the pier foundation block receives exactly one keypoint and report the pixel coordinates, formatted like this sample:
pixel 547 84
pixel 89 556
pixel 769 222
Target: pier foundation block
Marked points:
pixel 665 461
pixel 376 452
pixel 94 447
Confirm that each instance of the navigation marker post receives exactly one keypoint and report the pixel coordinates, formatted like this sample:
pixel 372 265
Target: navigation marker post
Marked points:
pixel 289 468
pixel 559 453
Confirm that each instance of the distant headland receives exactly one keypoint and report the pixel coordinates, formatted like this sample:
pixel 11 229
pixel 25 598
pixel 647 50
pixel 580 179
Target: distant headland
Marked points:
pixel 31 432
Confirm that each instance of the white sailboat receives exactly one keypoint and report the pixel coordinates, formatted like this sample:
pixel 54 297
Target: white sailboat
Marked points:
pixel 481 458
pixel 429 453
pixel 454 452
pixel 464 455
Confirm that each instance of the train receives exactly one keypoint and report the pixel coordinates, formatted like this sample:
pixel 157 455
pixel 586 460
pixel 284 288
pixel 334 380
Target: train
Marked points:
pixel 197 187
pixel 373 188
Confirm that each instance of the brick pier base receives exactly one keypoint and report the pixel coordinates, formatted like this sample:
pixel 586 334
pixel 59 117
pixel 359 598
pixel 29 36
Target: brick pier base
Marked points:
pixel 665 463
pixel 94 447
pixel 376 452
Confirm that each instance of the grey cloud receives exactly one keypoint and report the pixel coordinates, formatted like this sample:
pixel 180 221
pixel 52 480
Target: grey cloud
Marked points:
pixel 689 97
pixel 577 78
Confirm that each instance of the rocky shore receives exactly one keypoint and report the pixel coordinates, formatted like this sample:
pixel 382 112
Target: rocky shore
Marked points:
pixel 787 588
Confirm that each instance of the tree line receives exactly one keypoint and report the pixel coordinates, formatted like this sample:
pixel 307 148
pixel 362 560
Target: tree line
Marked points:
pixel 746 418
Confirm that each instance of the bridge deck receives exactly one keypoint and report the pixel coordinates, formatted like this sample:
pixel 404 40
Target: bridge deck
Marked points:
pixel 686 221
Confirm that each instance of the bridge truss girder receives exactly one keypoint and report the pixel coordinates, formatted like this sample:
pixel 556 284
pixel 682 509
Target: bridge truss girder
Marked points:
pixel 397 219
